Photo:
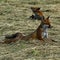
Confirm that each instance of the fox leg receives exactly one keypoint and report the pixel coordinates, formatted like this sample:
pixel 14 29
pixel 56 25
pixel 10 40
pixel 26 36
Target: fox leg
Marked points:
pixel 42 41
pixel 40 38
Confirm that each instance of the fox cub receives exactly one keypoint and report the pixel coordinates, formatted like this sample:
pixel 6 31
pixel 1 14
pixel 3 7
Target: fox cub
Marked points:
pixel 38 14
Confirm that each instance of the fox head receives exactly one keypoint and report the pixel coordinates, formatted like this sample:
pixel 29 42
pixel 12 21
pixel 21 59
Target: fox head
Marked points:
pixel 34 9
pixel 46 22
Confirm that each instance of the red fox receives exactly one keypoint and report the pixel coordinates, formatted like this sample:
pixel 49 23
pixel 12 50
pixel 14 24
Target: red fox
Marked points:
pixel 40 33
pixel 38 14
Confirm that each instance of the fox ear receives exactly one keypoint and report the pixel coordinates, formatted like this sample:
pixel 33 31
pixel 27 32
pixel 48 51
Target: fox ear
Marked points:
pixel 38 8
pixel 48 17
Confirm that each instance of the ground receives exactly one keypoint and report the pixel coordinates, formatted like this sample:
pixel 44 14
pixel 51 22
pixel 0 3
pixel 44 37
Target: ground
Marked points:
pixel 14 17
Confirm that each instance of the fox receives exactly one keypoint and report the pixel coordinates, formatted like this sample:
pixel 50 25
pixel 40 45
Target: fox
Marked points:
pixel 38 14
pixel 40 33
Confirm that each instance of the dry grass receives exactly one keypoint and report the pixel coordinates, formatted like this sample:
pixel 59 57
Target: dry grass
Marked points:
pixel 14 16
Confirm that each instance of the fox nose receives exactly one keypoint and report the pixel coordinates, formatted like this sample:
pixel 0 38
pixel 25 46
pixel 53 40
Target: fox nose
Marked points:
pixel 50 26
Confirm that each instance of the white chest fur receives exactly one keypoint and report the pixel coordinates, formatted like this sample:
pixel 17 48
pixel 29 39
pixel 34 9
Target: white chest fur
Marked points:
pixel 45 31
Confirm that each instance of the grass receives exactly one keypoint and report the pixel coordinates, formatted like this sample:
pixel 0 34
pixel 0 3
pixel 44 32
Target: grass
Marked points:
pixel 14 16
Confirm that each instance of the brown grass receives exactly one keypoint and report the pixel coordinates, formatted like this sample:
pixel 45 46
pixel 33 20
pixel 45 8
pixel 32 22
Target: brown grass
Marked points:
pixel 14 16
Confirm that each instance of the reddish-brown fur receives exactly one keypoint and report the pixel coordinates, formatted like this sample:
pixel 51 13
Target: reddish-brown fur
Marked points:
pixel 37 12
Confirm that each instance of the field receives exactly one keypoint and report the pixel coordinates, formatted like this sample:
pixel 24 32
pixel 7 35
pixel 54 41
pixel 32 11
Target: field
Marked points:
pixel 14 17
